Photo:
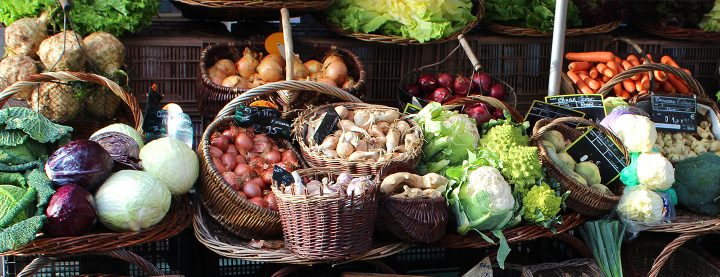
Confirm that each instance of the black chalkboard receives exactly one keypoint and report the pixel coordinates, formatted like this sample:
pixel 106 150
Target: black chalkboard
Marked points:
pixel 539 110
pixel 248 116
pixel 282 176
pixel 590 104
pixel 162 124
pixel 597 147
pixel 674 113
pixel 327 126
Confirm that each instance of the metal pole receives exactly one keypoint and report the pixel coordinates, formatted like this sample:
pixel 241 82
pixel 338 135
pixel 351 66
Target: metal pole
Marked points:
pixel 558 47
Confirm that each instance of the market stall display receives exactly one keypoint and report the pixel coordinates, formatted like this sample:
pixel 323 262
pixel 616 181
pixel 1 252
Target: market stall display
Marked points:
pixel 692 20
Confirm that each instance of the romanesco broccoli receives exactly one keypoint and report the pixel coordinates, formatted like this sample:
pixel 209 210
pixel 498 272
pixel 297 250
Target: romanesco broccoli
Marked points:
pixel 502 137
pixel 521 167
pixel 542 205
pixel 21 233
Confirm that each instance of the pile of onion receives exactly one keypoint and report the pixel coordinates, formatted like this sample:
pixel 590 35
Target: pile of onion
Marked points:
pixel 246 160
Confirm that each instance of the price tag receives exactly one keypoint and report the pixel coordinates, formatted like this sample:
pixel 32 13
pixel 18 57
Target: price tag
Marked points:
pixel 264 120
pixel 327 126
pixel 590 104
pixel 162 124
pixel 411 109
pixel 482 269
pixel 539 110
pixel 282 176
pixel 594 146
pixel 674 113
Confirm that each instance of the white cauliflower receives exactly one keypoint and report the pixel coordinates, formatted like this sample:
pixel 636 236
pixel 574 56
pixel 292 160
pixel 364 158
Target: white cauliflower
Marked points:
pixel 642 206
pixel 654 171
pixel 636 132
pixel 489 179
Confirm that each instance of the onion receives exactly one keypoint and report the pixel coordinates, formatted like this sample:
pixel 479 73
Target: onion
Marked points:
pixel 270 70
pixel 461 85
pixel 330 59
pixel 427 83
pixel 235 82
pixel 216 76
pixel 272 202
pixel 247 65
pixel 267 174
pixel 242 170
pixel 252 190
pixel 215 152
pixel 259 201
pixel 220 142
pixel 240 159
pixel 440 95
pixel 317 76
pixel 235 130
pixel 327 81
pixel 226 66
pixel 273 156
pixel 445 80
pixel 288 156
pixel 279 60
pixel 300 71
pixel 261 138
pixel 232 150
pixel 482 80
pixel 231 179
pixel 229 134
pixel 242 195
pixel 497 91
pixel 219 165
pixel 258 181
pixel 413 90
pixel 336 71
pixel 261 147
pixel 350 82
pixel 228 160
pixel 243 142
pixel 256 81
pixel 313 66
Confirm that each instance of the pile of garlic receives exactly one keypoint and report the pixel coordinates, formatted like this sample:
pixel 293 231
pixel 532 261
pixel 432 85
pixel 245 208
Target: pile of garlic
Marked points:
pixel 679 146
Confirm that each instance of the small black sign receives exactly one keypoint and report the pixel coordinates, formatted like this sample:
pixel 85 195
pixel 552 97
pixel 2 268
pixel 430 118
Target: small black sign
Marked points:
pixel 674 113
pixel 247 116
pixel 282 176
pixel 539 110
pixel 162 124
pixel 596 147
pixel 327 126
pixel 590 104
pixel 411 109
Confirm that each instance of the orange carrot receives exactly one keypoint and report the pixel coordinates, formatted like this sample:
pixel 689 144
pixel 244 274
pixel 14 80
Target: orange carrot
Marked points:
pixel 628 85
pixel 614 66
pixel 617 89
pixel 593 73
pixel 605 70
pixel 626 65
pixel 573 76
pixel 632 58
pixel 678 84
pixel 643 92
pixel 605 78
pixel 687 71
pixel 645 83
pixel 636 77
pixel 635 62
pixel 618 60
pixel 598 57
pixel 660 75
pixel 638 85
pixel 579 66
pixel 582 73
pixel 669 61
pixel 667 87
pixel 625 95
pixel 594 85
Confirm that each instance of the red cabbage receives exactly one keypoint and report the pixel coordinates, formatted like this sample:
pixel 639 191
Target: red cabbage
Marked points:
pixel 83 162
pixel 71 211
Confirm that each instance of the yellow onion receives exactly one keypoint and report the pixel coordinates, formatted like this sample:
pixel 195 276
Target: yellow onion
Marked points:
pixel 350 82
pixel 256 81
pixel 235 82
pixel 299 69
pixel 327 81
pixel 226 66
pixel 314 66
pixel 247 65
pixel 336 71
pixel 216 75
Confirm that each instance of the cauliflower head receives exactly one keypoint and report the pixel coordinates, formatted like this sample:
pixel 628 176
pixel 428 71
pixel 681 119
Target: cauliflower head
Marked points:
pixel 636 132
pixel 641 205
pixel 655 171
pixel 541 204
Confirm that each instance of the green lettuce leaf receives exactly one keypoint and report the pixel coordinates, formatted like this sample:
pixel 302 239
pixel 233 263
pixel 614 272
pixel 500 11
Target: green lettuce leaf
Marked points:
pixel 32 123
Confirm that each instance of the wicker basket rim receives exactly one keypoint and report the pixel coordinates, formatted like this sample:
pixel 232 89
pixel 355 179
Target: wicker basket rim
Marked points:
pixel 522 31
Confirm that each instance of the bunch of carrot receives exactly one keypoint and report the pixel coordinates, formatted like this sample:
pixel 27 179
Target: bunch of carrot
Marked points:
pixel 591 70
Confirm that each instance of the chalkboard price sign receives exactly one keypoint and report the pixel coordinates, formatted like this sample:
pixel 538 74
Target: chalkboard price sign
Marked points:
pixel 282 176
pixel 594 146
pixel 539 110
pixel 590 104
pixel 674 113
pixel 327 126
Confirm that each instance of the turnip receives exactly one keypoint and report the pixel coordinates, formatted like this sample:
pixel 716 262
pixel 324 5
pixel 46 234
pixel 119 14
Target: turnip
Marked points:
pixel 52 56
pixel 56 102
pixel 102 103
pixel 23 37
pixel 104 51
pixel 16 68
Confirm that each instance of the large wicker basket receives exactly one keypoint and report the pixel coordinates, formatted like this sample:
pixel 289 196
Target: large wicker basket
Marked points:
pixel 233 10
pixel 572 32
pixel 639 259
pixel 214 96
pixel 38 264
pixel 83 126
pixel 327 227
pixel 693 85
pixel 478 10
pixel 414 220
pixel 233 212
pixel 582 198
pixel 407 161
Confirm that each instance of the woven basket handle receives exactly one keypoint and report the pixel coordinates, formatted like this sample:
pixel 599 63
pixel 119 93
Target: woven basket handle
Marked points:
pixel 546 124
pixel 469 52
pixel 285 85
pixel 31 82
pixel 693 84
pixel 39 263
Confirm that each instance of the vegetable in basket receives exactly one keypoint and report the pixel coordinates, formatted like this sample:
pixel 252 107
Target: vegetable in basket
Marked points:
pixel 82 162
pixel 534 14
pixel 56 101
pixel 70 212
pixel 542 205
pixel 430 185
pixel 15 68
pixel 63 52
pixel 132 200
pixel 25 136
pixel 711 20
pixel 640 207
pixel 697 183
pixel 15 233
pixel 105 52
pixel 423 21
pixel 23 37
pixel 449 135
pixel 636 132
pixel 172 162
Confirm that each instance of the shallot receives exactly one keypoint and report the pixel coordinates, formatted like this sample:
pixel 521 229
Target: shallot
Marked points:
pixel 247 65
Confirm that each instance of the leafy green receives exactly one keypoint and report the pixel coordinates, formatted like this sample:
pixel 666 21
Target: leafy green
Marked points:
pixel 535 14
pixel 18 231
pixel 20 234
pixel 711 20
pixel 113 16
pixel 10 196
pixel 37 180
pixel 16 210
pixel 32 123
pixel 678 13
pixel 421 20
pixel 449 135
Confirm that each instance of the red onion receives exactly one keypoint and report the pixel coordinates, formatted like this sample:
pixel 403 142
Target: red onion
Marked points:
pixel 413 90
pixel 462 85
pixel 220 141
pixel 440 95
pixel 497 91
pixel 232 149
pixel 273 156
pixel 445 80
pixel 427 83
pixel 272 202
pixel 479 112
pixel 243 142
pixel 259 201
pixel 482 80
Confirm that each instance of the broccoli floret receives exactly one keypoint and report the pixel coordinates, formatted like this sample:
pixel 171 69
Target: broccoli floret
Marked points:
pixel 542 205
pixel 697 183
pixel 21 233
pixel 521 167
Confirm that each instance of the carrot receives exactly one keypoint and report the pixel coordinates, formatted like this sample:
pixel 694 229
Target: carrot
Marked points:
pixel 598 57
pixel 593 73
pixel 578 66
pixel 645 83
pixel 618 60
pixel 584 88
pixel 581 73
pixel 660 75
pixel 631 58
pixel 617 89
pixel 626 65
pixel 628 85
pixel 643 92
pixel 625 95
pixel 573 76
pixel 638 85
pixel 600 82
pixel 687 71
pixel 605 70
pixel 614 66
pixel 636 77
pixel 605 78
pixel 594 85
pixel 669 61
pixel 667 87
pixel 678 84
pixel 635 62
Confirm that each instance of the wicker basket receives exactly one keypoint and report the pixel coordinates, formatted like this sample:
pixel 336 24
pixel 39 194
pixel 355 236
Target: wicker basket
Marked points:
pixel 414 220
pixel 478 9
pixel 573 32
pixel 214 96
pixel 83 126
pixel 329 227
pixel 582 198
pixel 406 161
pixel 639 259
pixel 38 264
pixel 177 219
pixel 237 214
pixel 694 86
pixel 672 32
pixel 219 240
pixel 233 10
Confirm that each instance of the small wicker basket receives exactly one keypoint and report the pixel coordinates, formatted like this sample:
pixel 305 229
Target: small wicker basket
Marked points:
pixel 39 263
pixel 327 227
pixel 407 161
pixel 414 220
pixel 572 32
pixel 582 198
pixel 237 214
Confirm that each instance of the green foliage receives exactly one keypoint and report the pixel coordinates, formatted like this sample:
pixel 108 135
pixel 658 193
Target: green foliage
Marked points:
pixel 20 234
pixel 32 123
pixel 542 205
pixel 697 183
pixel 535 14
pixel 113 16
pixel 449 135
